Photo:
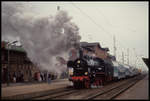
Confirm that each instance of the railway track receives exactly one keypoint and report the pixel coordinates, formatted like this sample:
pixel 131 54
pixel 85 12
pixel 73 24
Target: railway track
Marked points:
pixel 115 91
pixel 55 93
pixel 85 93
pixel 110 92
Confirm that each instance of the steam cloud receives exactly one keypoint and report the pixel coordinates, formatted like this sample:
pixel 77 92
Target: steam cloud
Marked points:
pixel 42 38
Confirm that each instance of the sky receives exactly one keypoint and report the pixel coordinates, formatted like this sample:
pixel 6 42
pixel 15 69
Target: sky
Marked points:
pixel 101 21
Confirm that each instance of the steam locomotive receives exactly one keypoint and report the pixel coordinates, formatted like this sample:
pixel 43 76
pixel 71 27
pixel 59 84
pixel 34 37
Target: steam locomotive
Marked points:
pixel 87 70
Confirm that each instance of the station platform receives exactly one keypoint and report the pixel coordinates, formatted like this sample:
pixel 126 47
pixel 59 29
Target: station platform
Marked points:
pixel 31 89
pixel 140 91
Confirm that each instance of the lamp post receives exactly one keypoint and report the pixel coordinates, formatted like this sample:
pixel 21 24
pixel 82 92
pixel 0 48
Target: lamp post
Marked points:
pixel 8 62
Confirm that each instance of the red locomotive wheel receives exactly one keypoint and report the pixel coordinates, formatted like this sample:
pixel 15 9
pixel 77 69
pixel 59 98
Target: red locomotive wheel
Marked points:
pixel 87 84
pixel 75 84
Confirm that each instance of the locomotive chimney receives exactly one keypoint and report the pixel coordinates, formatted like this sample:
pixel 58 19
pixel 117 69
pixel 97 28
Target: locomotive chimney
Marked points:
pixel 80 52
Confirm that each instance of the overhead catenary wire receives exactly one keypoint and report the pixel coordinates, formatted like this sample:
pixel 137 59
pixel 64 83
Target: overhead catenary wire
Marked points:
pixel 99 26
pixel 121 45
pixel 91 19
pixel 137 56
pixel 99 11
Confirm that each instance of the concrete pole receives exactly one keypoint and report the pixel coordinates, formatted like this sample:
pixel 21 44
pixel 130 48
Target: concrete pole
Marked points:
pixel 128 55
pixel 114 47
pixel 122 57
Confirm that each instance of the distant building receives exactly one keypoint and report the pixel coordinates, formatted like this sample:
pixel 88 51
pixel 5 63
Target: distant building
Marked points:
pixel 90 49
pixel 94 49
pixel 19 63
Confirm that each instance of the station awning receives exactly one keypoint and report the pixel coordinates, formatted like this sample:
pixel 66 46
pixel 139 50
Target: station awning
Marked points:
pixel 146 61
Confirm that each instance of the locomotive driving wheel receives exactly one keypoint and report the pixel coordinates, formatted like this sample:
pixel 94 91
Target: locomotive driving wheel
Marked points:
pixel 87 84
pixel 75 84
pixel 79 84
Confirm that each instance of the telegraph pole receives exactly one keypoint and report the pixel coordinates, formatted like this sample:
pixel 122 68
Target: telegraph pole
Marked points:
pixel 114 47
pixel 122 57
pixel 128 55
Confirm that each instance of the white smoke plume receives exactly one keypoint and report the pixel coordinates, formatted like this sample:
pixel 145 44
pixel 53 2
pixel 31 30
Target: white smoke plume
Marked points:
pixel 43 38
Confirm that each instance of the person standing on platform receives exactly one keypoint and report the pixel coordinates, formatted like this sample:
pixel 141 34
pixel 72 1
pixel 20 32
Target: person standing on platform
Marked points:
pixel 14 77
pixel 49 78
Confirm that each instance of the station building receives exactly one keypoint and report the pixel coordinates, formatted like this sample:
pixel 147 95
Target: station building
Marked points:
pixel 19 64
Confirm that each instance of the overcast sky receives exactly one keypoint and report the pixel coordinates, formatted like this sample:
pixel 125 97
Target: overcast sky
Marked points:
pixel 100 21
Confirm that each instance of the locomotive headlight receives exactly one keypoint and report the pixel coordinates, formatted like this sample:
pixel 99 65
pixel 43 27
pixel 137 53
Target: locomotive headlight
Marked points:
pixel 78 61
pixel 86 73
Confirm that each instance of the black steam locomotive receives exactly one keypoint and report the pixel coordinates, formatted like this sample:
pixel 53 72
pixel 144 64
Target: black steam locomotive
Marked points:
pixel 87 70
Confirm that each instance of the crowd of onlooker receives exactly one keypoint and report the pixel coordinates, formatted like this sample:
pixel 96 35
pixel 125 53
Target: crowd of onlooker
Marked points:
pixel 39 76
pixel 17 77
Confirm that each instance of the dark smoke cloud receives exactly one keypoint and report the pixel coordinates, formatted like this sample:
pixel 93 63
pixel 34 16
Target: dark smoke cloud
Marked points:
pixel 42 38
